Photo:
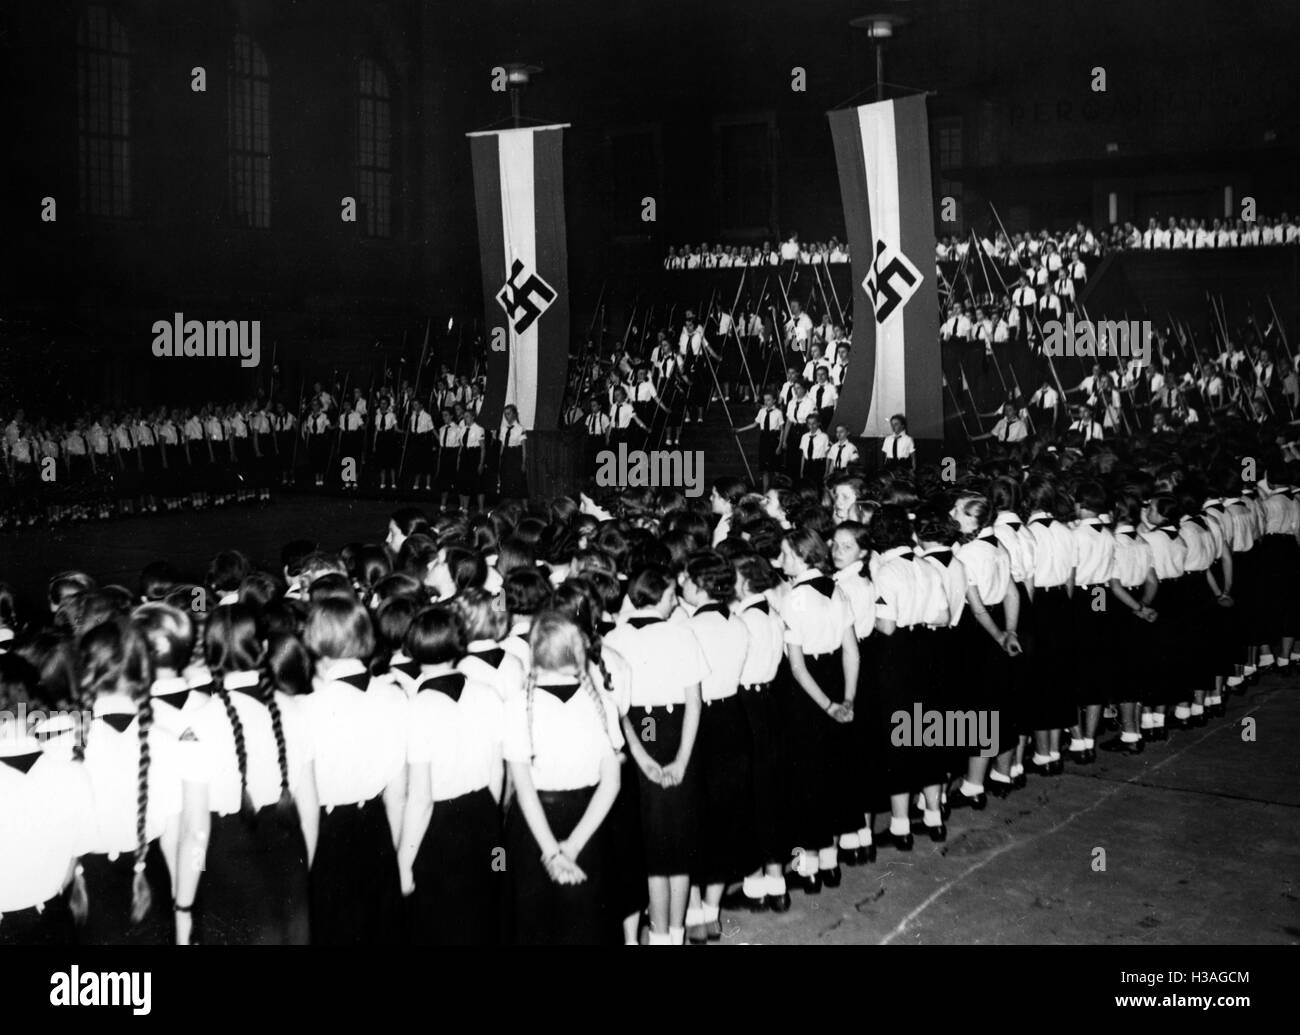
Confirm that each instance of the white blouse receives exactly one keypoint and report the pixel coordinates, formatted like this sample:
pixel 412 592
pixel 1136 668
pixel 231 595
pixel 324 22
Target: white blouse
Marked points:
pixel 815 621
pixel 47 819
pixel 724 638
pixel 208 748
pixel 358 729
pixel 766 640
pixel 665 658
pixel 455 727
pixel 113 761
pixel 564 737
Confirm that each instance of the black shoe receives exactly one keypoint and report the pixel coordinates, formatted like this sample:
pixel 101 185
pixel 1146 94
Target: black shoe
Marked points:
pixel 778 903
pixel 1019 782
pixel 1055 767
pixel 903 842
pixel 831 878
pixel 1197 720
pixel 738 901
pixel 852 856
pixel 938 834
pixel 869 853
pixel 1173 722
pixel 978 802
pixel 999 789
pixel 1217 710
pixel 1079 757
pixel 812 885
pixel 1157 733
pixel 1089 756
pixel 1038 768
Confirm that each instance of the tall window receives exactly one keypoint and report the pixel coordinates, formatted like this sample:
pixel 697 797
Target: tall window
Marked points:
pixel 374 150
pixel 951 159
pixel 103 114
pixel 249 134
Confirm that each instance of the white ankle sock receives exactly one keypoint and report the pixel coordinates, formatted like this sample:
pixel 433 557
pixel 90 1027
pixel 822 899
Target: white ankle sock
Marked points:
pixel 660 939
pixel 710 913
pixel 849 842
pixel 933 819
pixel 898 827
pixel 997 777
pixel 1130 738
pixel 1198 709
pixel 827 858
pixel 677 936
pixel 864 837
pixel 774 885
pixel 970 790
pixel 756 887
pixel 694 916
pixel 1182 712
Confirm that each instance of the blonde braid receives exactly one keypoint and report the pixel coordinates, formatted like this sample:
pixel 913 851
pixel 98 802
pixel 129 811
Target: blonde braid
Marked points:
pixel 528 692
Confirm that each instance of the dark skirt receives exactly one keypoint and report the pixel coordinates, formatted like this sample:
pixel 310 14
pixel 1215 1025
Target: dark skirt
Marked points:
pixel 769 448
pixel 1093 668
pixel 669 815
pixel 318 452
pixel 914 667
pixel 546 913
pixel 460 874
pixel 446 461
pixel 351 445
pixel 512 484
pixel 387 448
pixel 1169 682
pixel 1132 641
pixel 1051 704
pixel 109 895
pixel 255 888
pixel 355 891
pixel 420 454
pixel 628 892
pixel 467 475
pixel 49 925
pixel 821 800
pixel 726 848
pixel 763 717
pixel 1020 669
pixel 1278 591
pixel 285 441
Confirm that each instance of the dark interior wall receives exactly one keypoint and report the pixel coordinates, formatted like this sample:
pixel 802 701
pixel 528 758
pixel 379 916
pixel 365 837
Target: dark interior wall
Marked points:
pixel 1200 95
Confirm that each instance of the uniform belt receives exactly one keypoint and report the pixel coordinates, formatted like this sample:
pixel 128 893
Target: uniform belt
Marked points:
pixel 651 707
pixel 718 700
pixel 756 686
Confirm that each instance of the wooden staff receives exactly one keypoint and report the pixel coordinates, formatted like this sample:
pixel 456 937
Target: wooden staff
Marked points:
pixel 415 394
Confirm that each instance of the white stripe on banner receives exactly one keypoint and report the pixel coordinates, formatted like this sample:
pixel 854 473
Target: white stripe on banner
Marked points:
pixel 880 154
pixel 519 241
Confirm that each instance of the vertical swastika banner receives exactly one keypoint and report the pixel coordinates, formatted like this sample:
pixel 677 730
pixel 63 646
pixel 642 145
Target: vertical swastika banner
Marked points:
pixel 519 196
pixel 883 154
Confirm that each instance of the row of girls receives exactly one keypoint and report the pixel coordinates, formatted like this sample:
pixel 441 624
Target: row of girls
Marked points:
pixel 551 726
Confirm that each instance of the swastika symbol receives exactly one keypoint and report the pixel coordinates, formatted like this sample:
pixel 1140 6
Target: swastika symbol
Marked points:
pixel 892 281
pixel 524 297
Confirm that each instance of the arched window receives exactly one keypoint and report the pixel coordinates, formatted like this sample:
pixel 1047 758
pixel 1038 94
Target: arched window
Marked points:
pixel 103 114
pixel 249 134
pixel 374 150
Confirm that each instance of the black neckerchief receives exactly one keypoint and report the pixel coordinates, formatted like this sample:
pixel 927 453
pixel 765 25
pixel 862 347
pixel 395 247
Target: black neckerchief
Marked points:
pixel 118 721
pixel 22 763
pixel 641 621
pixel 410 669
pixel 492 655
pixel 176 699
pixel 823 584
pixel 359 680
pixel 714 607
pixel 1041 521
pixel 451 684
pixel 944 556
pixel 759 605
pixel 254 691
pixel 560 691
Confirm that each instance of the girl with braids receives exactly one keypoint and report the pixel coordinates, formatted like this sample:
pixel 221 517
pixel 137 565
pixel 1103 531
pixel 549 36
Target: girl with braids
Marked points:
pixel 47 820
pixel 358 733
pixel 822 648
pixel 726 847
pixel 668 666
pixel 250 812
pixel 169 634
pixel 1009 530
pixel 581 601
pixel 483 618
pixel 562 743
pixel 1095 558
pixel 122 894
pixel 451 830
